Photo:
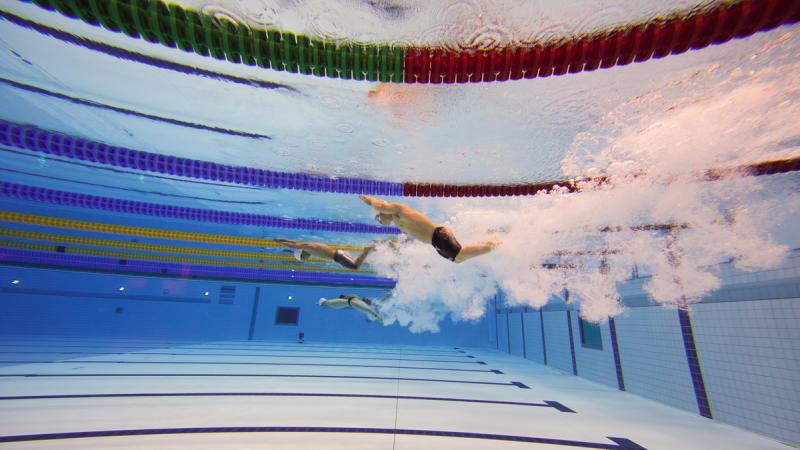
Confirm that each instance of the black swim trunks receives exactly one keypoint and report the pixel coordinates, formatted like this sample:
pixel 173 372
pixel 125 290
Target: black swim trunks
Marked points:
pixel 351 297
pixel 445 243
pixel 344 259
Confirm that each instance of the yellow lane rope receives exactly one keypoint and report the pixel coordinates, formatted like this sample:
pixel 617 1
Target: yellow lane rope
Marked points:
pixel 97 242
pixel 167 258
pixel 71 224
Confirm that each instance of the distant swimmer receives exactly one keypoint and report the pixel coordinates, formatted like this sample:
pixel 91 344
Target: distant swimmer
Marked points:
pixel 418 226
pixel 352 301
pixel 305 250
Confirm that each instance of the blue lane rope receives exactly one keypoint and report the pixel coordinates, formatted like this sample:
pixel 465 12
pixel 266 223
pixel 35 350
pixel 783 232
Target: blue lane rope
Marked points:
pixel 58 144
pixel 32 193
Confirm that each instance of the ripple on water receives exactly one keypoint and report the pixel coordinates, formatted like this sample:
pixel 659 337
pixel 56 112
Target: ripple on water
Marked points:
pixel 488 36
pixel 605 16
pixel 345 128
pixel 324 24
pixel 259 12
pixel 331 101
pixel 220 13
pixel 380 142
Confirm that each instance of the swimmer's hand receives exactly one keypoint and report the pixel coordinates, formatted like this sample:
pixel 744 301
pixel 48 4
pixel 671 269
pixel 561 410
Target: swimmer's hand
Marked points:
pixel 367 199
pixel 493 243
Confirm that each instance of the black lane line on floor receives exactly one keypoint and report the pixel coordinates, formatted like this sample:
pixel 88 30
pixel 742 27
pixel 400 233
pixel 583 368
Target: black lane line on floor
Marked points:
pixel 245 355
pixel 547 403
pixel 251 375
pixel 618 443
pixel 244 363
pixel 298 350
pixel 130 112
pixel 136 57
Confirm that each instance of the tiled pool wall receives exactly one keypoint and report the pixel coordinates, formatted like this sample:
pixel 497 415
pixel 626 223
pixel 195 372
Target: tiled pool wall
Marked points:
pixel 734 357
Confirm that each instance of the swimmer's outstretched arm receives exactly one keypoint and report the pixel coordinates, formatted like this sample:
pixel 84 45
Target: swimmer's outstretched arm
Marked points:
pixel 334 303
pixel 471 251
pixel 317 249
pixel 381 205
pixel 288 243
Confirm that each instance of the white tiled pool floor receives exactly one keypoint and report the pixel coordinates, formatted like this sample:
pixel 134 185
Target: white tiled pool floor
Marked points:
pixel 252 395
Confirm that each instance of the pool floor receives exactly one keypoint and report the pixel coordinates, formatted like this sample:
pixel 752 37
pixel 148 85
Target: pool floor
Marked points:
pixel 81 393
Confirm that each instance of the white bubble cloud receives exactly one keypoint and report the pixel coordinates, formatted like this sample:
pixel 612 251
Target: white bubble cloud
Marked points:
pixel 655 148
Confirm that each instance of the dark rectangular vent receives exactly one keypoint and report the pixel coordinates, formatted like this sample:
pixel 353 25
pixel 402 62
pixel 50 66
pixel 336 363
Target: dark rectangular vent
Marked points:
pixel 287 316
pixel 590 335
pixel 227 294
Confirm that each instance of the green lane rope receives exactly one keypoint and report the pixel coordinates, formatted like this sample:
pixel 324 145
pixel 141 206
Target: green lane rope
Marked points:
pixel 176 27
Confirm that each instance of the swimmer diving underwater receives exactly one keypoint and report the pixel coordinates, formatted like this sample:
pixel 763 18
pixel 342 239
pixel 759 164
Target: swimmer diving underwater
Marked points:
pixel 305 250
pixel 416 225
pixel 362 304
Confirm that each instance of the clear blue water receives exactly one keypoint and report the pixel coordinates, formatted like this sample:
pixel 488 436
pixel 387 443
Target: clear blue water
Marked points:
pixel 652 128
pixel 663 118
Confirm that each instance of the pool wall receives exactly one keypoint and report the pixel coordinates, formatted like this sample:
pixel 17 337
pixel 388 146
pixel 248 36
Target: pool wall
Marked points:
pixel 733 357
pixel 83 304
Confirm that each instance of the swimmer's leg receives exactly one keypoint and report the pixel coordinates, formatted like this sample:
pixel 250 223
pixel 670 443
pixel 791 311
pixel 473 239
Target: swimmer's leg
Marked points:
pixel 362 306
pixel 471 251
pixel 333 303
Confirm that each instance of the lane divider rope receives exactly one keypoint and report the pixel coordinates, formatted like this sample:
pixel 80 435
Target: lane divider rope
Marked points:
pixel 52 143
pixel 42 141
pixel 619 46
pixel 93 263
pixel 97 242
pixel 155 233
pixel 506 190
pixel 174 26
pixel 33 193
pixel 134 56
pixel 124 256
